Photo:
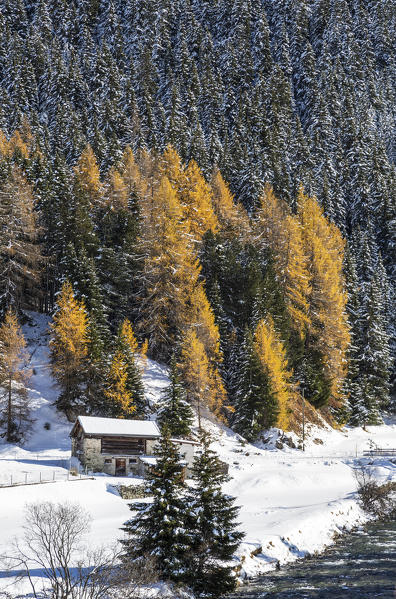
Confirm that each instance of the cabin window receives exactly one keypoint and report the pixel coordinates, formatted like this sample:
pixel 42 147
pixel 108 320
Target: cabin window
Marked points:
pixel 132 460
pixel 108 461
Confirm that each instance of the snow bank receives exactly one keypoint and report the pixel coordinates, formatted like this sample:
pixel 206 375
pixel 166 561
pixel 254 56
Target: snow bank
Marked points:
pixel 294 503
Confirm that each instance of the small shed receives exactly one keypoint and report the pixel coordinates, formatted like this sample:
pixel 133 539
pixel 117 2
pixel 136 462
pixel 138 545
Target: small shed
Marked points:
pixel 121 447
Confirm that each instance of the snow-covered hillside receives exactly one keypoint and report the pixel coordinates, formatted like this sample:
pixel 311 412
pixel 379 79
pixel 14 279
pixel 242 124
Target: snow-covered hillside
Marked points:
pixel 291 503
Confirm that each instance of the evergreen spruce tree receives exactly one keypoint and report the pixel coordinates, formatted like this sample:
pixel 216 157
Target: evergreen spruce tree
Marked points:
pixel 175 412
pixel 159 529
pixel 213 527
pixel 255 405
pixel 374 360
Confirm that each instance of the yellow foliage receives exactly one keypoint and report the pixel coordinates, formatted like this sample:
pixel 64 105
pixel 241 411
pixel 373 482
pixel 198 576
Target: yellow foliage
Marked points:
pixel 4 145
pixel 131 175
pixel 232 217
pixel 88 175
pixel 202 318
pixel 116 391
pixel 196 199
pixel 171 167
pixel 117 190
pixel 128 336
pixel 324 247
pixel 193 193
pixel 194 365
pixel 18 145
pixel 278 230
pixel 143 353
pixel 69 339
pixel 272 355
pixel 12 346
pixel 170 271
pixel 217 399
pixel 203 382
pixel 293 272
pixel 20 142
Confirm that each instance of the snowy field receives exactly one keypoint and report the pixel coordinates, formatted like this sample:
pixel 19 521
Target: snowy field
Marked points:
pixel 292 503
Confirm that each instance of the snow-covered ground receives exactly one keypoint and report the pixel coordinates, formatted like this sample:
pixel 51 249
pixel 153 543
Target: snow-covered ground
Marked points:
pixel 292 503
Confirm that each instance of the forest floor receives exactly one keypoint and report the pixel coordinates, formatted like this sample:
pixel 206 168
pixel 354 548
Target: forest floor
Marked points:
pixel 293 503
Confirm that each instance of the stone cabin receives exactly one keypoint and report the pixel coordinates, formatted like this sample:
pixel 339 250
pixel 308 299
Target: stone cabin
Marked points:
pixel 121 447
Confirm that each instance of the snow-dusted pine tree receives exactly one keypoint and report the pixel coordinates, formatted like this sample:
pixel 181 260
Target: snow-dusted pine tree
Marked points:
pixel 158 530
pixel 213 527
pixel 175 412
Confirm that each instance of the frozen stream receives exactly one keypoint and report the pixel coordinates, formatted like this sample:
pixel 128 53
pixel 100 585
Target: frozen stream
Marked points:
pixel 362 565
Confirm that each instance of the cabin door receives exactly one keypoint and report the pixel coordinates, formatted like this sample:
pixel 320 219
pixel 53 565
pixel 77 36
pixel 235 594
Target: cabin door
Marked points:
pixel 120 467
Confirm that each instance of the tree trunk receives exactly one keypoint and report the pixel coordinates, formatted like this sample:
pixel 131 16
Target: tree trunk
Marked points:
pixel 9 411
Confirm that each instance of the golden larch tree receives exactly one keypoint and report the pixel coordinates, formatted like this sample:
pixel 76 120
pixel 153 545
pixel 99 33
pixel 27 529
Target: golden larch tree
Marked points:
pixel 128 336
pixel 324 248
pixel 18 145
pixel 14 375
pixel 88 176
pixel 120 402
pixel 20 252
pixel 233 219
pixel 196 200
pixel 280 232
pixel 4 145
pixel 129 342
pixel 171 166
pixel 203 383
pixel 116 190
pixel 272 355
pixel 202 319
pixel 69 349
pixel 131 175
pixel 170 271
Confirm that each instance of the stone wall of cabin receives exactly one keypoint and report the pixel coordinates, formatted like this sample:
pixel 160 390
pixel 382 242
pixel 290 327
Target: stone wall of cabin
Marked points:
pixel 92 457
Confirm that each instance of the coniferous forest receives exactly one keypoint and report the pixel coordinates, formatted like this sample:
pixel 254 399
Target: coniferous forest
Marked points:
pixel 208 183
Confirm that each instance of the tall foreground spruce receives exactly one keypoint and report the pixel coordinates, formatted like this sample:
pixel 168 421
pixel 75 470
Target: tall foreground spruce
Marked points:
pixel 189 531
pixel 213 527
pixel 158 530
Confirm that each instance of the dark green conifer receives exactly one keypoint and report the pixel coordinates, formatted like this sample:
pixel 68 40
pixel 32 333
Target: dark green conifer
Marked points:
pixel 175 412
pixel 213 527
pixel 158 530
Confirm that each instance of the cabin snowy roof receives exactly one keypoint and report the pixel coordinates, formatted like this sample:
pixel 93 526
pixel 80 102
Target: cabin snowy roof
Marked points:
pixel 93 425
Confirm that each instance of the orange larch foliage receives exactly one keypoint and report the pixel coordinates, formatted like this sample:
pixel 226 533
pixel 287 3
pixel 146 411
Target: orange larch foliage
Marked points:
pixel 119 397
pixel 196 199
pixel 272 355
pixel 203 383
pixel 232 217
pixel 277 229
pixel 324 248
pixel 88 175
